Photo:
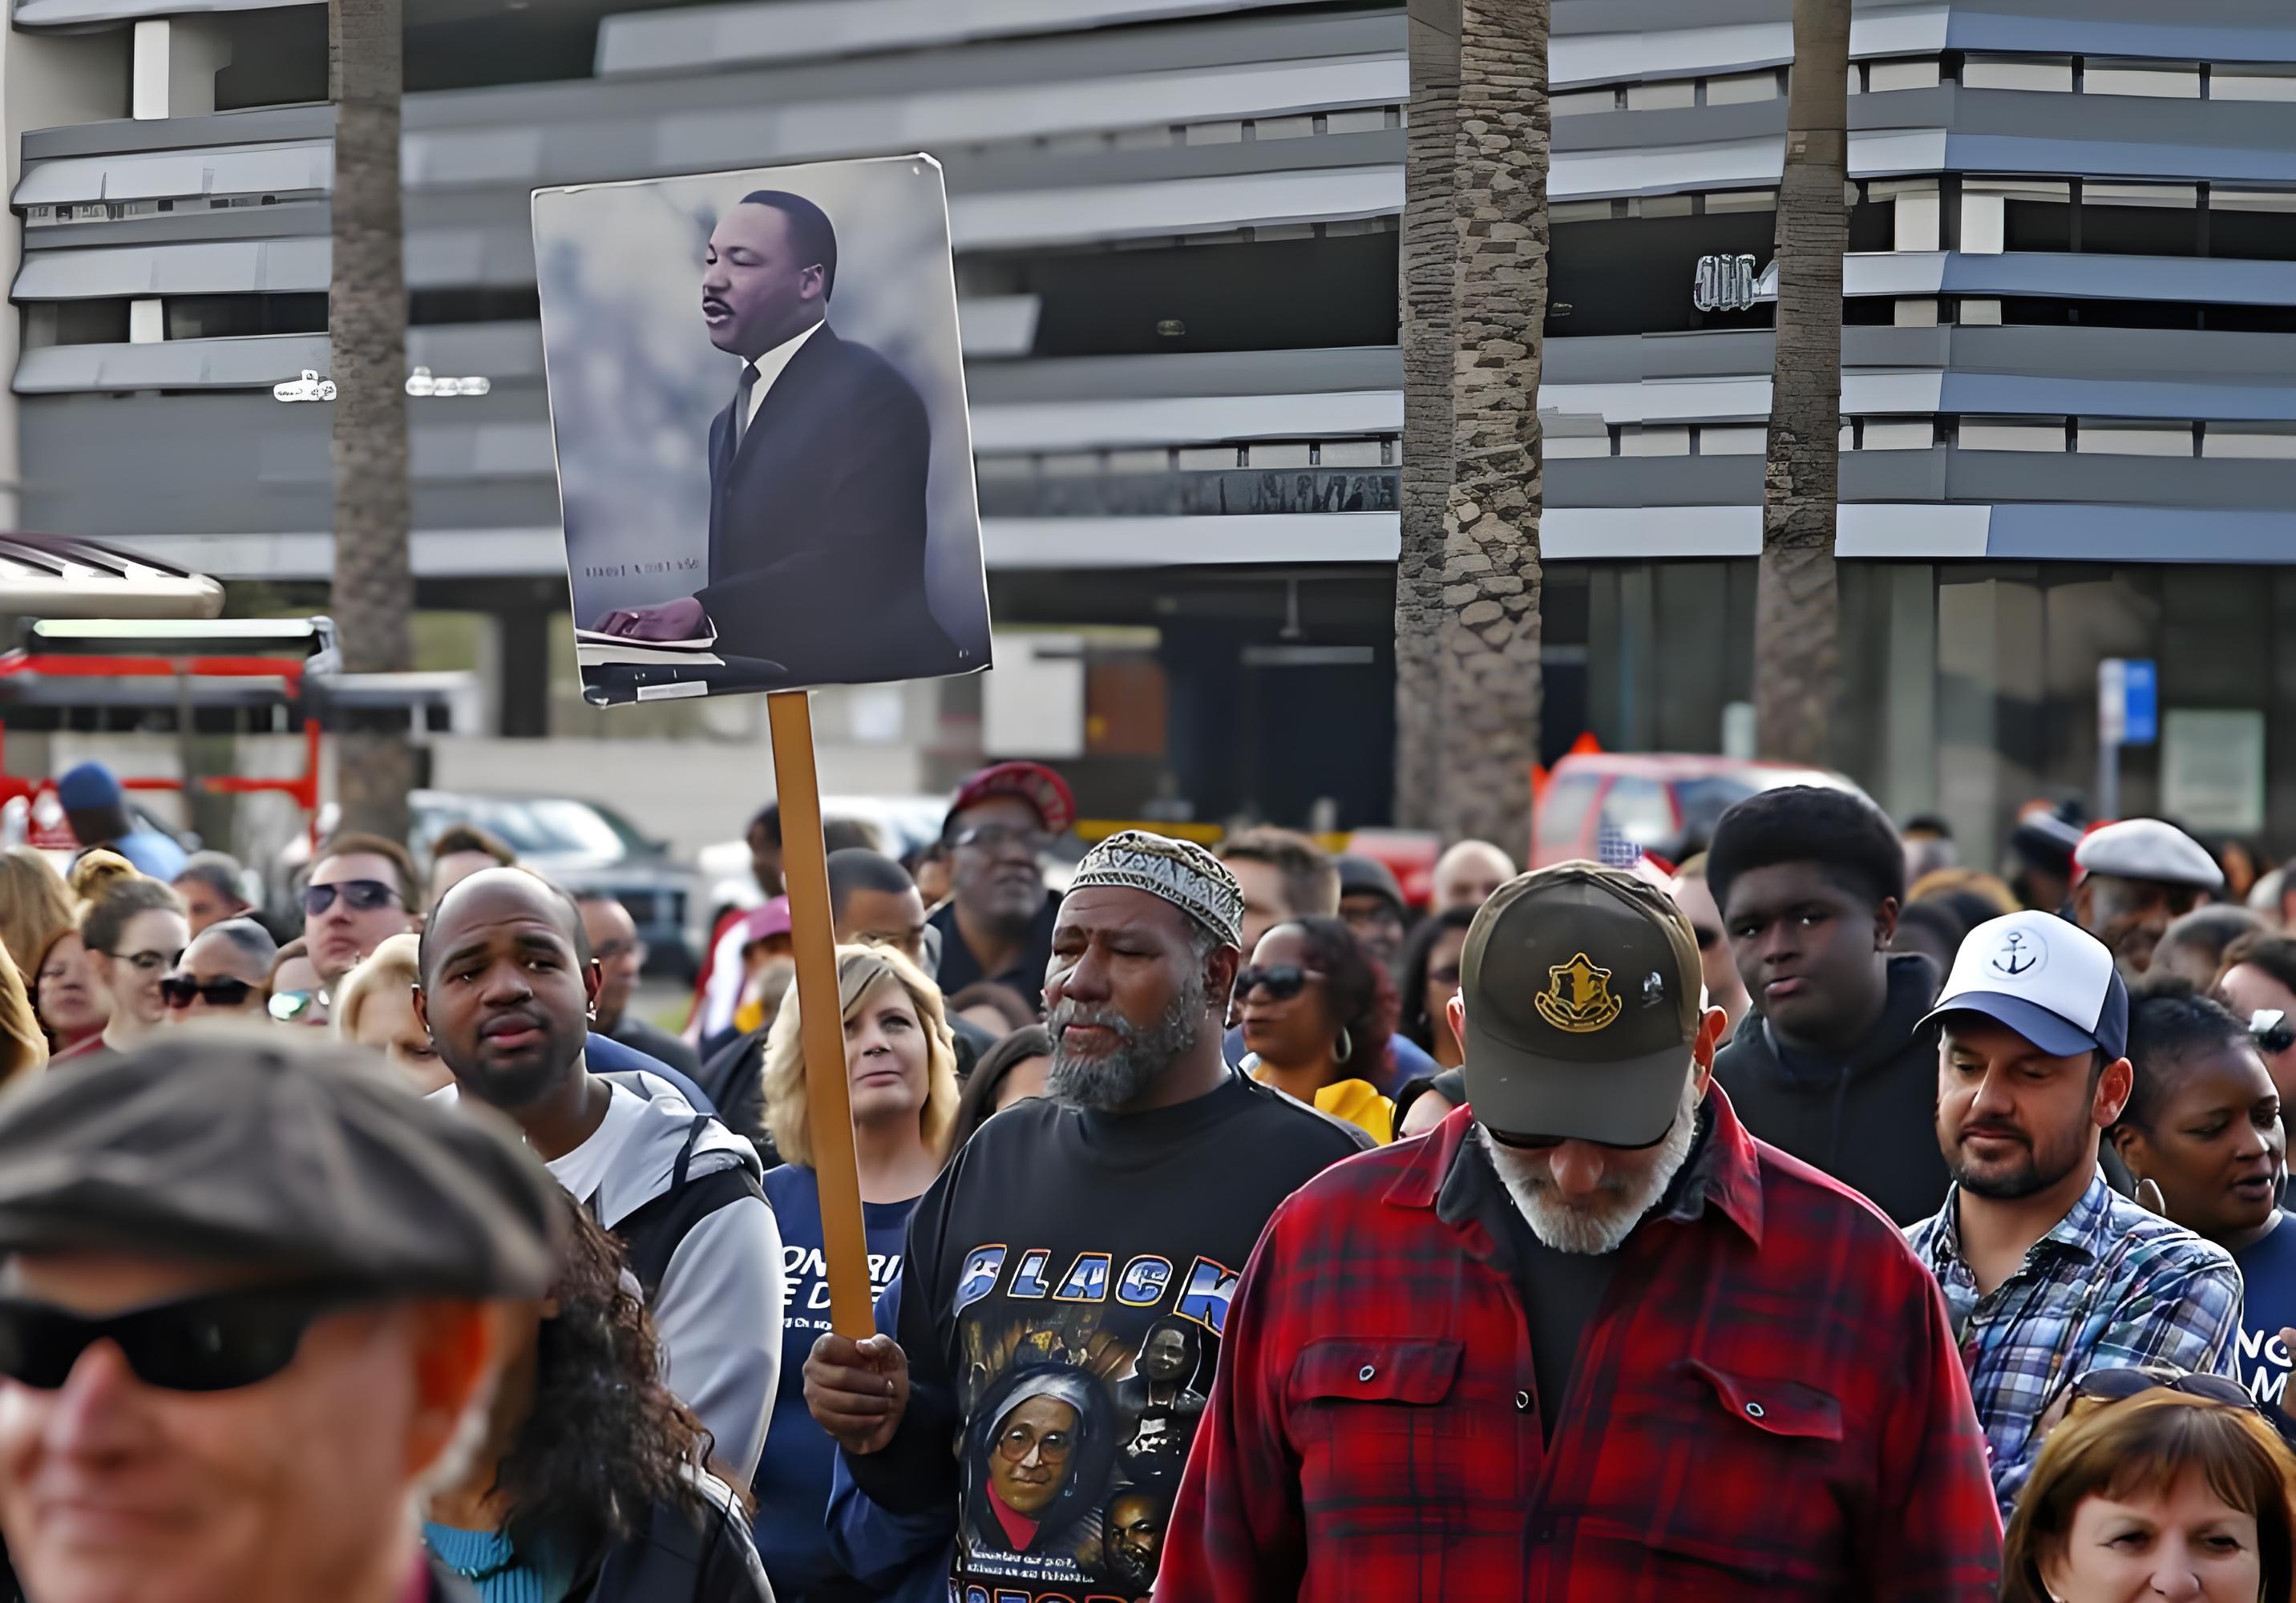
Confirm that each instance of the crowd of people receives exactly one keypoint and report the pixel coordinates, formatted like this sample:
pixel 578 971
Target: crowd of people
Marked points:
pixel 1817 1217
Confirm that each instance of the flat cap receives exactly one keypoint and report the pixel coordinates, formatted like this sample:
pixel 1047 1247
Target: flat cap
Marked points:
pixel 310 1160
pixel 2145 849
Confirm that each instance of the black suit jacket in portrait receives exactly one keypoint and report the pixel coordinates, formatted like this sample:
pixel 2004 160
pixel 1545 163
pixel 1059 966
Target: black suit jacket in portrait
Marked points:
pixel 817 524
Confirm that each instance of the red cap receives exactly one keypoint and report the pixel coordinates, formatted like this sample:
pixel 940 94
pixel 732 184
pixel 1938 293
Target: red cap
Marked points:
pixel 1031 782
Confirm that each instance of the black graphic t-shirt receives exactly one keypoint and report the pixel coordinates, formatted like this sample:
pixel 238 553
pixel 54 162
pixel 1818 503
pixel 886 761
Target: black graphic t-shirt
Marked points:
pixel 1066 1284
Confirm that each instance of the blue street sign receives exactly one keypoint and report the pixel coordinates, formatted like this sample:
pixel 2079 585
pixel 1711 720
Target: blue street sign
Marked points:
pixel 2141 694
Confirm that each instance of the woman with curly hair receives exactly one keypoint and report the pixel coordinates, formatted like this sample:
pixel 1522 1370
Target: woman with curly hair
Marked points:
pixel 1317 1012
pixel 591 1484
pixel 900 1083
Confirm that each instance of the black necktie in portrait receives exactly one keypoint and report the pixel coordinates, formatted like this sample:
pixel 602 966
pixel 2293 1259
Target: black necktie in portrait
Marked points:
pixel 743 390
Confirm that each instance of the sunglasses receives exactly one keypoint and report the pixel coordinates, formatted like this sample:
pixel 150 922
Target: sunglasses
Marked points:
pixel 2118 1385
pixel 2271 1031
pixel 1708 939
pixel 292 1007
pixel 1547 1143
pixel 181 990
pixel 215 1342
pixel 361 896
pixel 1280 981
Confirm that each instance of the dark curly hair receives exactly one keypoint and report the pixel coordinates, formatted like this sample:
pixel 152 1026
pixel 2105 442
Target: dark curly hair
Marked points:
pixel 1411 972
pixel 605 1443
pixel 1360 995
pixel 1847 836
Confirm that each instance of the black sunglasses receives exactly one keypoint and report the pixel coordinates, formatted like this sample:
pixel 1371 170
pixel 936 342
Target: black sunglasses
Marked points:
pixel 363 895
pixel 1545 1143
pixel 2271 1031
pixel 215 1342
pixel 2118 1385
pixel 1708 939
pixel 181 990
pixel 1280 981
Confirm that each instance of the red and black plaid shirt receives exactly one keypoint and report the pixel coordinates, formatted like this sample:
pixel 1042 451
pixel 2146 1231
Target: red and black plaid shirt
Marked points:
pixel 1767 1406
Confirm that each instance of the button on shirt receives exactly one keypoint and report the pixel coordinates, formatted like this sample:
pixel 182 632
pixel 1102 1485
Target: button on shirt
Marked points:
pixel 2111 1287
pixel 1766 1406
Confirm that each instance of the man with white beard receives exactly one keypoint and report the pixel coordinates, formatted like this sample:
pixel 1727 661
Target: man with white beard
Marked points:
pixel 1589 1340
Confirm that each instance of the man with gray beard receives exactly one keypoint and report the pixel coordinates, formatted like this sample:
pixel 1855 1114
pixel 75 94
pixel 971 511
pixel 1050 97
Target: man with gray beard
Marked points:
pixel 1588 1341
pixel 1069 1235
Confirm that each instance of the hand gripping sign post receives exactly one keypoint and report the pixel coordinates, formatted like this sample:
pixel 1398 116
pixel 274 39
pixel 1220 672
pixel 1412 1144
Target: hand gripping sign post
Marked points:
pixel 766 473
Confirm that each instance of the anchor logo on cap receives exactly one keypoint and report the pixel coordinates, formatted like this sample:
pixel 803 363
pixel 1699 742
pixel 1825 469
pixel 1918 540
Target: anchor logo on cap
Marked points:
pixel 2022 952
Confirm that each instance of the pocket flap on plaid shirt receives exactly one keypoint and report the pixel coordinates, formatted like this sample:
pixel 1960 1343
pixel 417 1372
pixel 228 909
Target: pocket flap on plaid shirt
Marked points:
pixel 1783 1408
pixel 1373 1369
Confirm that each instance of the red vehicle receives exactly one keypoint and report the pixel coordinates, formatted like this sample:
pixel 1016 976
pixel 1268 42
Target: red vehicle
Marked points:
pixel 1667 804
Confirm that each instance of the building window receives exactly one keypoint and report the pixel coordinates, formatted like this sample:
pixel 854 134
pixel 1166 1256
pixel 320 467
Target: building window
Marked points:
pixel 2252 224
pixel 235 316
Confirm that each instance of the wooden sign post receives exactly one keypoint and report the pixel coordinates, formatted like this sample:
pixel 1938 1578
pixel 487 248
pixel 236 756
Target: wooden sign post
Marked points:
pixel 812 938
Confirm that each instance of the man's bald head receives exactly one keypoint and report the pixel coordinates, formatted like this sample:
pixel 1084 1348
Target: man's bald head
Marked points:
pixel 508 989
pixel 521 888
pixel 1469 873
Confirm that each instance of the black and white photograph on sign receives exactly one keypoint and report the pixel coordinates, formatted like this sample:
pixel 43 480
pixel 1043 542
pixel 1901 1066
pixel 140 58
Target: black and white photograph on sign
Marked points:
pixel 758 400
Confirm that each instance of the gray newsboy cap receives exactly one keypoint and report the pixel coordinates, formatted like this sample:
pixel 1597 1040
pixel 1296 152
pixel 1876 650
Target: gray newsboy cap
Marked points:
pixel 309 1160
pixel 2146 848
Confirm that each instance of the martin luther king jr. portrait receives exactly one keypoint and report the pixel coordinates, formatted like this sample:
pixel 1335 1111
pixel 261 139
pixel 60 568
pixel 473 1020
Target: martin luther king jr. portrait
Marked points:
pixel 819 458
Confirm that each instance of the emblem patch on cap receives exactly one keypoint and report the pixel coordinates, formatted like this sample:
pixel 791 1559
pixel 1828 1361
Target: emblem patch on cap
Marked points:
pixel 1578 997
pixel 2019 954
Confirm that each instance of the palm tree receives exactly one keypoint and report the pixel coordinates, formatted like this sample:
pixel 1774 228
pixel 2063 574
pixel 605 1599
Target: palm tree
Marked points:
pixel 373 593
pixel 1488 646
pixel 1430 272
pixel 1797 611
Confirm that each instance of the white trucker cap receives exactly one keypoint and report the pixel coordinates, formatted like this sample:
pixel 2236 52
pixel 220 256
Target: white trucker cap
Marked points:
pixel 2051 981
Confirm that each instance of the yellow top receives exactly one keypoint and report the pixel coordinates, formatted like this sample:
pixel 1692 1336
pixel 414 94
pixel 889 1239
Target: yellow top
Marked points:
pixel 1357 1102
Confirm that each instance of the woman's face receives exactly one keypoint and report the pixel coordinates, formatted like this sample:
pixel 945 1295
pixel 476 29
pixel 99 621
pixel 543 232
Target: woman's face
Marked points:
pixel 150 945
pixel 387 1022
pixel 885 1055
pixel 2248 990
pixel 66 995
pixel 1023 1080
pixel 1443 976
pixel 2189 1544
pixel 1293 1031
pixel 2216 1146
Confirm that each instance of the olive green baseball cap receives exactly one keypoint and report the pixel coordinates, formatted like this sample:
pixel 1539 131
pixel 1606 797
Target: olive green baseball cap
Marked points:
pixel 1582 990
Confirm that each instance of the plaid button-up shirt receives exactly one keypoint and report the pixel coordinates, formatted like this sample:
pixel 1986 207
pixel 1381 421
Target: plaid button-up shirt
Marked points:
pixel 1766 1406
pixel 2112 1287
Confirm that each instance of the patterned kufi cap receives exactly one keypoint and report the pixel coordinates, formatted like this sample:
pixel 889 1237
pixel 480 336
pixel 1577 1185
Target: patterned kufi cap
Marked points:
pixel 1180 871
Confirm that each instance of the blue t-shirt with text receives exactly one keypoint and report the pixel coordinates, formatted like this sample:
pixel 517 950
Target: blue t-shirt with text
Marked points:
pixel 2267 1273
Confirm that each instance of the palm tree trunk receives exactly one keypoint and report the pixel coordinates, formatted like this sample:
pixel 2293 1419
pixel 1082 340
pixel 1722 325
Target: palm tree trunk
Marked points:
pixel 1797 611
pixel 373 594
pixel 1431 274
pixel 1489 640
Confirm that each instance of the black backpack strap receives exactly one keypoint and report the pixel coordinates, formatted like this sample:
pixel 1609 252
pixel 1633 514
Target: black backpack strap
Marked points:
pixel 654 1232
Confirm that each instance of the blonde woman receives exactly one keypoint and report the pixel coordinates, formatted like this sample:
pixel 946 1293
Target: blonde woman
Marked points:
pixel 374 1006
pixel 900 1070
pixel 39 924
pixel 23 1046
pixel 35 905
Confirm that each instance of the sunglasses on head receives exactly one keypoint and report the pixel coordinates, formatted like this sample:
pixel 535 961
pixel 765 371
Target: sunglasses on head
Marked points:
pixel 361 896
pixel 2118 1385
pixel 215 1343
pixel 181 990
pixel 2271 1030
pixel 1280 981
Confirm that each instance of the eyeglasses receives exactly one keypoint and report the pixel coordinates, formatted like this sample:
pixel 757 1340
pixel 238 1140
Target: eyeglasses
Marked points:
pixel 2271 1031
pixel 1052 1446
pixel 181 990
pixel 2118 1385
pixel 1280 981
pixel 148 962
pixel 296 1007
pixel 215 1342
pixel 361 896
pixel 996 837
pixel 1708 939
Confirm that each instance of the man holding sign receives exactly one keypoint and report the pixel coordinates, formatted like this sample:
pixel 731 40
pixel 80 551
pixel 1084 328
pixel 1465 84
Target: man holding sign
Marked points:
pixel 1073 1264
pixel 818 469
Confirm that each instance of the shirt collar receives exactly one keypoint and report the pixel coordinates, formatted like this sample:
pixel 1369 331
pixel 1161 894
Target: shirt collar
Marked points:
pixel 2079 1232
pixel 770 363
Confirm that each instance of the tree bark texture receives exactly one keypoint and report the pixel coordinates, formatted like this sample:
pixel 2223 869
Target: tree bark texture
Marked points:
pixel 374 592
pixel 1489 641
pixel 1429 251
pixel 1796 609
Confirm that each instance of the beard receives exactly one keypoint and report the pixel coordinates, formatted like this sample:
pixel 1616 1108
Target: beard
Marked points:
pixel 1602 1224
pixel 1140 1056
pixel 2031 1167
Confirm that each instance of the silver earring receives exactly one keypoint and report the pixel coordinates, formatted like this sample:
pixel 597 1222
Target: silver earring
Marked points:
pixel 1347 1047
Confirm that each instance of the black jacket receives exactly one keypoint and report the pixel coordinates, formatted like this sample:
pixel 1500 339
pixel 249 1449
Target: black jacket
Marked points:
pixel 681 1559
pixel 1870 1120
pixel 817 524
